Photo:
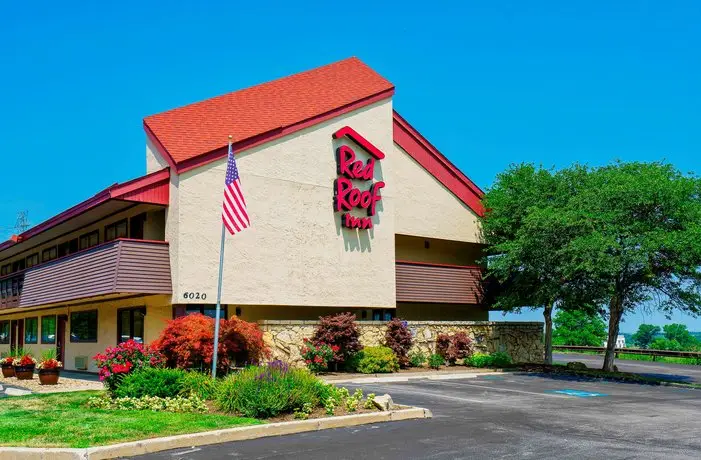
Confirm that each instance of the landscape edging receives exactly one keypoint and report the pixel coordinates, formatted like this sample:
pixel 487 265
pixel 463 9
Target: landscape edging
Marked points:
pixel 147 446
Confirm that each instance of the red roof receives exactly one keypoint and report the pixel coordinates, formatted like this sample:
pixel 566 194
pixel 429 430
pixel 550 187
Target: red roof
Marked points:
pixel 263 112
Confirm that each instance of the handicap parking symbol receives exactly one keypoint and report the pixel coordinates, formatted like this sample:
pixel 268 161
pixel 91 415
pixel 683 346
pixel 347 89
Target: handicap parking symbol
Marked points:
pixel 577 393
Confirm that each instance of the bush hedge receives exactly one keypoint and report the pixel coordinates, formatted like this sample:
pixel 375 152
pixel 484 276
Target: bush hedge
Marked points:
pixel 497 359
pixel 374 360
pixel 454 347
pixel 398 337
pixel 198 384
pixel 340 331
pixel 151 381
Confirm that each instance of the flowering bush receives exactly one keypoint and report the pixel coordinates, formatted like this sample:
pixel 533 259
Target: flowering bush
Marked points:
pixel 129 356
pixel 317 357
pixel 154 403
pixel 454 347
pixel 398 338
pixel 188 342
pixel 341 331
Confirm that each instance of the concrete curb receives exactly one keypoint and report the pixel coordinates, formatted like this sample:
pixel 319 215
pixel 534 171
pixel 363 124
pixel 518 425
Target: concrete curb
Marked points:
pixel 389 378
pixel 147 446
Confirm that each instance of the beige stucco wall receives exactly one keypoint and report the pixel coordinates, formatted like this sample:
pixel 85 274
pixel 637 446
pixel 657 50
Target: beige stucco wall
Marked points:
pixel 522 340
pixel 439 251
pixel 426 207
pixel 154 160
pixel 296 252
pixel 158 312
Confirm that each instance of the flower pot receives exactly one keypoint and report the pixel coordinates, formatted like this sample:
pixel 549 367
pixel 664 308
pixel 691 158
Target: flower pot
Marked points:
pixel 24 372
pixel 8 371
pixel 48 376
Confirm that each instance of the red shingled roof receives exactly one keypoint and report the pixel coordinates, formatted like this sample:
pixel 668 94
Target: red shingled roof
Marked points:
pixel 197 133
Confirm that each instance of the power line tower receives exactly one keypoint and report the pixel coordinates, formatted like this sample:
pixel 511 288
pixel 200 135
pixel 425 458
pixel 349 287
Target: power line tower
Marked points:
pixel 22 223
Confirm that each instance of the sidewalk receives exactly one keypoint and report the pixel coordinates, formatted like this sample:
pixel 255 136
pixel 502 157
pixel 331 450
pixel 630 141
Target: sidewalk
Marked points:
pixel 406 375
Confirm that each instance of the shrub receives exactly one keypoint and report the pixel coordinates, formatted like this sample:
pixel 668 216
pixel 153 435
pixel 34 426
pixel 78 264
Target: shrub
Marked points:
pixel 372 360
pixel 151 381
pixel 480 360
pixel 501 359
pixel 317 357
pixel 576 366
pixel 454 347
pixel 188 343
pixel 198 384
pixel 435 361
pixel 398 338
pixel 338 330
pixel 127 357
pixel 417 359
pixel 267 391
pixel 153 403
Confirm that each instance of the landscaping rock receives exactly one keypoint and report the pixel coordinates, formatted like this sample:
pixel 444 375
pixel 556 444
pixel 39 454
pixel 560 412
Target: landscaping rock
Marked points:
pixel 576 366
pixel 384 402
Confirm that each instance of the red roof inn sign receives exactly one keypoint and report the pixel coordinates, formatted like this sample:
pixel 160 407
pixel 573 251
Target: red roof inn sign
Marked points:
pixel 346 195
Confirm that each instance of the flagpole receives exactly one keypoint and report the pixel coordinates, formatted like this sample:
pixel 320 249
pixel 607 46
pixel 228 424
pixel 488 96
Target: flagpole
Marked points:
pixel 218 311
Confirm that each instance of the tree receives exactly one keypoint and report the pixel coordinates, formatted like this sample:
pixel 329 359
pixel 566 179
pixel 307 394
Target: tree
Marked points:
pixel 528 227
pixel 645 335
pixel 663 343
pixel 643 239
pixel 679 333
pixel 579 328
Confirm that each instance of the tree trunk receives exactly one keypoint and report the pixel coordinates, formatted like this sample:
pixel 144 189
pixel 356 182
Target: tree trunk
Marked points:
pixel 548 316
pixel 615 314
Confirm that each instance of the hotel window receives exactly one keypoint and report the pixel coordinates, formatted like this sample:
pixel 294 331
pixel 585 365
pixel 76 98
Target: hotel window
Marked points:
pixel 84 326
pixel 5 289
pixel 5 270
pixel 48 254
pixel 116 230
pixel 48 329
pixel 32 260
pixel 89 240
pixel 382 315
pixel 4 332
pixel 130 324
pixel 207 310
pixel 31 330
pixel 69 247
pixel 18 265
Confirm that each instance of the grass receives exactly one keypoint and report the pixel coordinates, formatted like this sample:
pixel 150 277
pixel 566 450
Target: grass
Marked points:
pixel 63 420
pixel 634 357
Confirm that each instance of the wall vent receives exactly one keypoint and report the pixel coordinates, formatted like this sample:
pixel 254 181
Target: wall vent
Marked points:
pixel 81 363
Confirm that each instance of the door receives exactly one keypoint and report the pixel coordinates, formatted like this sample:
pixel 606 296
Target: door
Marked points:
pixel 16 334
pixel 61 321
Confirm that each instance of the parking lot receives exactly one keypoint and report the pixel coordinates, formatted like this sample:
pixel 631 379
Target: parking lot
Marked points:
pixel 502 416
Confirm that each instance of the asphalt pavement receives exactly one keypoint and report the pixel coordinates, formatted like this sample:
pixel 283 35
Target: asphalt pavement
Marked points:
pixel 509 416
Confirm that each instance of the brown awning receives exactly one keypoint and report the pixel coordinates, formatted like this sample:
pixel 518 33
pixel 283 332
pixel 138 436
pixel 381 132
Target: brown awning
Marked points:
pixel 434 283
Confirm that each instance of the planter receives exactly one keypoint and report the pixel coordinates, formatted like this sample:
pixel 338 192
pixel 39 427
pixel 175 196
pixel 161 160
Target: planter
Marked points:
pixel 24 372
pixel 49 376
pixel 8 371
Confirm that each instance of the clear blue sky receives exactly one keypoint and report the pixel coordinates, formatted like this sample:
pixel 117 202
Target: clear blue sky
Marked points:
pixel 489 83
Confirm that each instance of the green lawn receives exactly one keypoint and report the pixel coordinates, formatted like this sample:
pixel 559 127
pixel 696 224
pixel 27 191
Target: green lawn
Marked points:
pixel 634 357
pixel 62 420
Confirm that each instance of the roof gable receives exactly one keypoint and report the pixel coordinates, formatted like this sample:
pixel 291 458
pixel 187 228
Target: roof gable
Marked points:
pixel 264 112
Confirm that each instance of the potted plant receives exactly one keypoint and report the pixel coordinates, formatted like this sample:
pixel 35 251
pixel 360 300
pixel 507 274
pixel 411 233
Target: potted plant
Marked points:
pixel 6 360
pixel 49 367
pixel 24 365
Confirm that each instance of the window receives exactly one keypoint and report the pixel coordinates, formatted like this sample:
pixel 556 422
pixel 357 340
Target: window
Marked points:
pixel 84 326
pixel 116 230
pixel 4 332
pixel 48 329
pixel 69 247
pixel 18 265
pixel 89 240
pixel 136 226
pixel 31 329
pixel 5 289
pixel 207 310
pixel 5 270
pixel 382 315
pixel 32 260
pixel 48 254
pixel 130 324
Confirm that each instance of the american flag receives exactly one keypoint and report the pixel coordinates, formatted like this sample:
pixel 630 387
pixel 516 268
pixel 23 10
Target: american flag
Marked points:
pixel 234 214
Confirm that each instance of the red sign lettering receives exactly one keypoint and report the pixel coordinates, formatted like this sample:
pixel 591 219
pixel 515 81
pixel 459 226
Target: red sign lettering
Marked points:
pixel 346 195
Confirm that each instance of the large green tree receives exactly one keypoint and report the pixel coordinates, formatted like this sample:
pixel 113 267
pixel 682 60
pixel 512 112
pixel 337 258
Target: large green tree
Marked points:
pixel 528 229
pixel 578 327
pixel 643 239
pixel 645 334
pixel 679 333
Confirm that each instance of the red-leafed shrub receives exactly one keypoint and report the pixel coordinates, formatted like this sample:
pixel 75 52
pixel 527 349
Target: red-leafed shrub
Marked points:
pixel 454 347
pixel 188 342
pixel 398 338
pixel 341 331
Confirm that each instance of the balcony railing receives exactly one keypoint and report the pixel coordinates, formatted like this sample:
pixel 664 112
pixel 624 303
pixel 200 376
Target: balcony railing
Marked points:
pixel 438 283
pixel 121 266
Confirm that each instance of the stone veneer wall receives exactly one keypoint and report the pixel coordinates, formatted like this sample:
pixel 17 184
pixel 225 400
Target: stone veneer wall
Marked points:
pixel 522 340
